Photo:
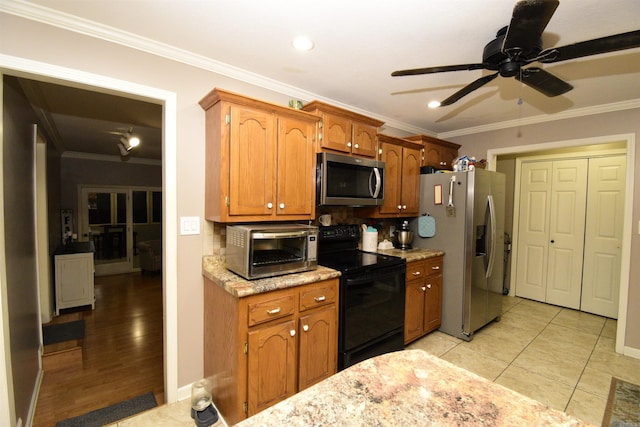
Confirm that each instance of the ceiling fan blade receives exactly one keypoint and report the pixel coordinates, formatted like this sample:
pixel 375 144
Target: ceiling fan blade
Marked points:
pixel 431 70
pixel 468 89
pixel 613 43
pixel 529 19
pixel 543 81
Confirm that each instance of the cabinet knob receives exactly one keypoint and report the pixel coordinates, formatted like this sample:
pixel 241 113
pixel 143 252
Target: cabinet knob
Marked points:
pixel 305 328
pixel 404 207
pixel 270 205
pixel 435 267
pixel 429 285
pixel 399 207
pixel 292 332
pixel 274 310
pixel 416 273
pixel 348 144
pixel 320 298
pixel 356 146
pixel 423 288
pixel 281 205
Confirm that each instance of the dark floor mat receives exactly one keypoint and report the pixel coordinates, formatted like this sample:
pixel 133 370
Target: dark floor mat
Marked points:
pixel 60 332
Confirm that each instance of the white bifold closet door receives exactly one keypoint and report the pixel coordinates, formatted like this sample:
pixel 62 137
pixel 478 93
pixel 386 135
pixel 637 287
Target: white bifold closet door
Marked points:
pixel 551 234
pixel 569 234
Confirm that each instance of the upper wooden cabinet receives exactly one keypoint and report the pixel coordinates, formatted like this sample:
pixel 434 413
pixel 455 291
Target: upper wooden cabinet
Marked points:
pixel 437 153
pixel 402 161
pixel 345 131
pixel 260 162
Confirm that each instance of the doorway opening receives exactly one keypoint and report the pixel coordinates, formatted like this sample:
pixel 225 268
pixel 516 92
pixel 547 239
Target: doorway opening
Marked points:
pixel 628 142
pixel 23 68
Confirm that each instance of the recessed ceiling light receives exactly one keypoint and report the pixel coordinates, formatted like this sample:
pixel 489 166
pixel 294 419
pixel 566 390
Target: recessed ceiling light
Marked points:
pixel 302 43
pixel 433 104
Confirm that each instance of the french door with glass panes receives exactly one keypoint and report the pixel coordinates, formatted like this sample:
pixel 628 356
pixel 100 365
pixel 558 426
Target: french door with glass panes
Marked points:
pixel 116 220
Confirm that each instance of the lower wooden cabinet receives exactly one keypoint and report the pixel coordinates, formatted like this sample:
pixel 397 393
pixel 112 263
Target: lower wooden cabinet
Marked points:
pixel 261 349
pixel 423 306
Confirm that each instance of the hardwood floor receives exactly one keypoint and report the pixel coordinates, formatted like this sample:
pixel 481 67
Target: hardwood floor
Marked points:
pixel 122 351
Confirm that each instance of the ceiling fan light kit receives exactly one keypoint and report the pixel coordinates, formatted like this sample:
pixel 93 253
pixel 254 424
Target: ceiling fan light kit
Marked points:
pixel 127 143
pixel 520 44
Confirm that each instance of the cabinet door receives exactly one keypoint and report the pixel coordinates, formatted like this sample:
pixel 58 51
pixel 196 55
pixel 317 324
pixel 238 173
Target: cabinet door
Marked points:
pixel 433 303
pixel 410 193
pixel 318 346
pixel 296 189
pixel 271 365
pixel 365 141
pixel 414 310
pixel 447 157
pixel 432 155
pixel 252 162
pixel 392 158
pixel 335 133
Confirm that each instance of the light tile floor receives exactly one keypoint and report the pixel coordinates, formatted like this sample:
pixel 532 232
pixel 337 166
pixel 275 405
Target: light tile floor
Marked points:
pixel 562 357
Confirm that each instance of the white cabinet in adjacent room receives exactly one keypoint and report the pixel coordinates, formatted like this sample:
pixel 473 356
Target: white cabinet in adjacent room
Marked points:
pixel 74 280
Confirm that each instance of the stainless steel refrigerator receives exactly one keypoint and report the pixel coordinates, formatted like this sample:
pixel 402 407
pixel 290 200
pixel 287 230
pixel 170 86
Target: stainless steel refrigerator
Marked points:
pixel 468 211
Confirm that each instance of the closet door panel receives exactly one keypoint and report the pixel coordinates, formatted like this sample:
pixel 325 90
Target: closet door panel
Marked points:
pixel 533 231
pixel 566 232
pixel 603 239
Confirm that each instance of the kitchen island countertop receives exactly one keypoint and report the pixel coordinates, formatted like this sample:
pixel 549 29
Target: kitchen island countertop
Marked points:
pixel 409 388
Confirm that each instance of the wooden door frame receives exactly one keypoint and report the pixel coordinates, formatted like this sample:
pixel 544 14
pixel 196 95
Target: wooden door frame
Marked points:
pixel 37 70
pixel 630 142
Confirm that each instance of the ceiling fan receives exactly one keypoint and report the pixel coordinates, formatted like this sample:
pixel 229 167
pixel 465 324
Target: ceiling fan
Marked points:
pixel 520 44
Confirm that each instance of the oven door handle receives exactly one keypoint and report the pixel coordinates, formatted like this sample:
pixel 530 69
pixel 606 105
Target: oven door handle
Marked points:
pixel 279 235
pixel 373 275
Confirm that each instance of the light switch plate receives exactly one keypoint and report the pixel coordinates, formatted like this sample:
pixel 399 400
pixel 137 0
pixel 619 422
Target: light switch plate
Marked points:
pixel 189 225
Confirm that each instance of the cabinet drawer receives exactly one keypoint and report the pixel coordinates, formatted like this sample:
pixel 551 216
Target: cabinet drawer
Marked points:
pixel 433 265
pixel 274 308
pixel 416 270
pixel 322 294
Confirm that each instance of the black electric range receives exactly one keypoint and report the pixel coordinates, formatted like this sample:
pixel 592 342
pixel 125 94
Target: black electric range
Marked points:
pixel 372 295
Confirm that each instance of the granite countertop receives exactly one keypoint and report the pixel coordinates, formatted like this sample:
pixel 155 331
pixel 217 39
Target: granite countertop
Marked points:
pixel 409 388
pixel 213 268
pixel 414 254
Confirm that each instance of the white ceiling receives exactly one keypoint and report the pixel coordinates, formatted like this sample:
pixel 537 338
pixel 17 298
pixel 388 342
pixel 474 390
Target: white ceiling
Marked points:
pixel 359 43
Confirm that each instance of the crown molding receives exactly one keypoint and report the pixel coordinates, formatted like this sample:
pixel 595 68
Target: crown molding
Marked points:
pixel 563 115
pixel 79 25
pixel 53 17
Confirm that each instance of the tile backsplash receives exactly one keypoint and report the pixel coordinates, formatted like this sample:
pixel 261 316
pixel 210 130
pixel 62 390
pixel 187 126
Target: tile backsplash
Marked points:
pixel 216 240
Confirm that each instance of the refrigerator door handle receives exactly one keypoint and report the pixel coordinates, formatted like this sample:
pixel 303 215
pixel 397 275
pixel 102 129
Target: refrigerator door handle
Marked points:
pixel 492 219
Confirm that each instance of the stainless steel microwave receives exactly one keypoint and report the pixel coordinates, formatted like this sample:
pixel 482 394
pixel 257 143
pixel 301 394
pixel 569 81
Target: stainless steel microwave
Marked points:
pixel 264 250
pixel 349 181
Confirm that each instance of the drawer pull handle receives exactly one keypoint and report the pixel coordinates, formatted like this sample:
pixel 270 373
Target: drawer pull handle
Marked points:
pixel 274 311
pixel 305 328
pixel 435 267
pixel 423 289
pixel 416 273
pixel 320 298
pixel 292 332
